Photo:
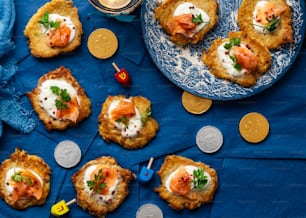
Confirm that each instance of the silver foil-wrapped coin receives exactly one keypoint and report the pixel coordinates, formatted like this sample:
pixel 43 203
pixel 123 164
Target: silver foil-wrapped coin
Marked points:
pixel 209 139
pixel 149 210
pixel 67 154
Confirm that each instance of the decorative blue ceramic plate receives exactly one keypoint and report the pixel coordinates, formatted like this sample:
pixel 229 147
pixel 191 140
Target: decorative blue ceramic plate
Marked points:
pixel 183 65
pixel 115 7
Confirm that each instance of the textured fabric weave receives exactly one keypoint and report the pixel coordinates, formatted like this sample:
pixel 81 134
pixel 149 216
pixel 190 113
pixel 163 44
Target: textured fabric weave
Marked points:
pixel 10 111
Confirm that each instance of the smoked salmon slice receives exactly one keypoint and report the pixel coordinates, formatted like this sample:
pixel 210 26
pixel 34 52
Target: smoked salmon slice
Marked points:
pixel 59 37
pixel 245 57
pixel 109 177
pixel 124 109
pixel 181 182
pixel 265 13
pixel 181 24
pixel 71 112
pixel 27 187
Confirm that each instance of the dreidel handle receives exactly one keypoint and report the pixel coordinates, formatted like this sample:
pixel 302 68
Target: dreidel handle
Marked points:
pixel 71 202
pixel 150 163
pixel 116 67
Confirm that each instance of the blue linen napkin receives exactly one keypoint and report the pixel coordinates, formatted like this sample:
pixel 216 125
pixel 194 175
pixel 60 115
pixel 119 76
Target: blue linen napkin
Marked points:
pixel 10 111
pixel 260 188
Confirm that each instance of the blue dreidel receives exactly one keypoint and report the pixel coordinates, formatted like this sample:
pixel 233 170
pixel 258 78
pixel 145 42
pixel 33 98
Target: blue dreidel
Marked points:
pixel 146 173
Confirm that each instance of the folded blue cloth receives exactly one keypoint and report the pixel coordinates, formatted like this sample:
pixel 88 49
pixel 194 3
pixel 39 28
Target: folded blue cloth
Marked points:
pixel 7 19
pixel 10 111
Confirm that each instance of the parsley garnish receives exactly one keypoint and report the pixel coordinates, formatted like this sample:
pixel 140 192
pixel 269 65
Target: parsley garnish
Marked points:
pixel 197 19
pixel 97 184
pixel 273 23
pixel 236 65
pixel 199 179
pixel 44 20
pixel 145 115
pixel 54 24
pixel 232 42
pixel 17 177
pixel 123 120
pixel 63 95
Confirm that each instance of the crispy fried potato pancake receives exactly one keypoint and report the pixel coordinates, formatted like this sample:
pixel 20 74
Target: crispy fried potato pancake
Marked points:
pixel 21 159
pixel 210 58
pixel 283 34
pixel 52 123
pixel 109 132
pixel 164 12
pixel 88 201
pixel 177 201
pixel 37 39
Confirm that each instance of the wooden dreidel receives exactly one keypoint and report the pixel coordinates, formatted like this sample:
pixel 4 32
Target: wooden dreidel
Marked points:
pixel 146 173
pixel 122 75
pixel 60 208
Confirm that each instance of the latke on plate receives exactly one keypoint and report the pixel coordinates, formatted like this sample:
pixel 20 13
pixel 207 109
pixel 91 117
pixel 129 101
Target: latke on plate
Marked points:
pixel 268 21
pixel 187 22
pixel 238 58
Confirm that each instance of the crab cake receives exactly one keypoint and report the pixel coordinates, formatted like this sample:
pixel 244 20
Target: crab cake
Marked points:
pixel 59 100
pixel 101 185
pixel 54 29
pixel 269 21
pixel 185 183
pixel 24 180
pixel 187 22
pixel 127 121
pixel 238 58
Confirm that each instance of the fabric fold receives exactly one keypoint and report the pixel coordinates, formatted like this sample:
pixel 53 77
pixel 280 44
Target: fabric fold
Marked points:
pixel 10 110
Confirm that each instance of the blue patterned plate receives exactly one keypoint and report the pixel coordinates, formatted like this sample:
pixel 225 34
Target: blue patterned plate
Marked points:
pixel 183 65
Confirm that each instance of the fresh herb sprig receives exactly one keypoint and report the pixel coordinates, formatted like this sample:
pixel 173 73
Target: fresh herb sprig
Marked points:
pixel 236 64
pixel 273 23
pixel 97 184
pixel 197 19
pixel 145 116
pixel 17 177
pixel 228 46
pixel 199 179
pixel 63 95
pixel 124 119
pixel 44 20
pixel 232 42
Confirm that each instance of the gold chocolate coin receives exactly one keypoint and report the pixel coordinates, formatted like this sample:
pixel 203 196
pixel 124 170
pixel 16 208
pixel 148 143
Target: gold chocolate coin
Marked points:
pixel 254 127
pixel 195 104
pixel 102 43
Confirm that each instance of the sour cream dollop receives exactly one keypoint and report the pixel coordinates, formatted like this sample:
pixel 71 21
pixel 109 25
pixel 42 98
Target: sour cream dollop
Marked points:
pixel 99 198
pixel 67 20
pixel 189 8
pixel 260 13
pixel 11 172
pixel 227 62
pixel 134 124
pixel 47 97
pixel 189 169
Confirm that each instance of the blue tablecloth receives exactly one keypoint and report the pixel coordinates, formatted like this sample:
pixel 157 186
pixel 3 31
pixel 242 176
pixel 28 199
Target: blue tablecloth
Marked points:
pixel 263 180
